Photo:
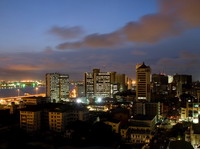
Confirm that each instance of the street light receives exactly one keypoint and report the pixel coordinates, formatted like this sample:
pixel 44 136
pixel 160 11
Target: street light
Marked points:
pixel 36 89
pixel 18 92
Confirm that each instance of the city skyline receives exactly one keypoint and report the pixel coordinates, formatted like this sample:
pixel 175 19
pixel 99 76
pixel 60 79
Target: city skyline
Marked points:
pixel 72 37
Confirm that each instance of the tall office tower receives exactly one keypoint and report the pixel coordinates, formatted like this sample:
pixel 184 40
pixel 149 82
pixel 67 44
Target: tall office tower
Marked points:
pixel 122 80
pixel 104 84
pixel 97 84
pixel 183 83
pixel 160 84
pixel 143 92
pixel 57 86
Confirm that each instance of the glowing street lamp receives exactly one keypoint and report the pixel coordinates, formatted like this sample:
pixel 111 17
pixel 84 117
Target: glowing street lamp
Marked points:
pixel 36 89
pixel 18 92
pixel 99 99
pixel 78 100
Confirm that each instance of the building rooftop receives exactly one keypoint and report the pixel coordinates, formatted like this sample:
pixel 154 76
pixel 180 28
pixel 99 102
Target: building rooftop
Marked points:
pixel 143 117
pixel 143 66
pixel 139 124
pixel 35 97
pixel 179 144
pixel 113 120
pixel 55 107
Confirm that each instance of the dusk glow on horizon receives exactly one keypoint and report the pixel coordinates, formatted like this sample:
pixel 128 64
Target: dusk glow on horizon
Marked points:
pixel 74 36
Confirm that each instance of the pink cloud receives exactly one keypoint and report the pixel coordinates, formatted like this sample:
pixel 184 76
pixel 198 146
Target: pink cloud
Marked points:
pixel 173 17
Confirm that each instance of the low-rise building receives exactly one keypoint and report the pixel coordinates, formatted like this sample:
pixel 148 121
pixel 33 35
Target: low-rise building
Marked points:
pixel 30 120
pixel 51 116
pixel 191 112
pixel 35 100
pixel 115 124
pixel 193 135
pixel 137 133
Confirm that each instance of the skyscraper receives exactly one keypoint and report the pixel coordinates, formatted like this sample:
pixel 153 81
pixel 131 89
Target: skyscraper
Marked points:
pixel 97 84
pixel 143 92
pixel 160 84
pixel 57 86
pixel 104 84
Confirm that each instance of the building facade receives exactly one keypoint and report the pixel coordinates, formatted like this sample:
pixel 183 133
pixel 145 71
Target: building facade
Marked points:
pixel 160 84
pixel 57 86
pixel 143 92
pixel 104 84
pixel 191 112
pixel 183 83
pixel 54 117
pixel 30 120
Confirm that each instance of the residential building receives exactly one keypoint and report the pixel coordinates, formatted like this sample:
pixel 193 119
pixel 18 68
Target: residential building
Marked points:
pixel 115 124
pixel 191 112
pixel 57 120
pixel 51 116
pixel 30 120
pixel 34 100
pixel 149 109
pixel 193 135
pixel 138 130
pixel 136 133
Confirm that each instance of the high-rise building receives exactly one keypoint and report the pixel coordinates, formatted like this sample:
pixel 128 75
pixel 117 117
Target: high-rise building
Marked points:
pixel 122 81
pixel 104 84
pixel 183 83
pixel 97 84
pixel 143 92
pixel 149 109
pixel 160 84
pixel 57 86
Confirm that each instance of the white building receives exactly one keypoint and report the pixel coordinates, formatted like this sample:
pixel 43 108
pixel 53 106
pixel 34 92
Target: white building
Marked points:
pixel 104 84
pixel 57 86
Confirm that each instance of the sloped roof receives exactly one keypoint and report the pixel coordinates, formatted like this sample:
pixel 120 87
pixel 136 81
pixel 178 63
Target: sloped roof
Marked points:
pixel 143 66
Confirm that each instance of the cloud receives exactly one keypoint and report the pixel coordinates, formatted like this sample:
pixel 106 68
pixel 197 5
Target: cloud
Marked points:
pixel 94 41
pixel 173 18
pixel 66 32
pixel 137 52
pixel 69 45
pixel 5 58
pixel 24 67
pixel 186 63
pixel 151 28
pixel 187 11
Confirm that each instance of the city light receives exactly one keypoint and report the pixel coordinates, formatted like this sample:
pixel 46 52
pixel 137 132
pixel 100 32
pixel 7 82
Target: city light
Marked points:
pixel 73 93
pixel 99 99
pixel 133 82
pixel 18 90
pixel 78 100
pixel 36 89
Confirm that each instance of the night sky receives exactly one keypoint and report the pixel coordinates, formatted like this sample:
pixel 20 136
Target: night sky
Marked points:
pixel 75 36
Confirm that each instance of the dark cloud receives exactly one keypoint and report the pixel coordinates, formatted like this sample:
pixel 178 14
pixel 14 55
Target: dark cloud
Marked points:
pixel 94 41
pixel 151 28
pixel 185 63
pixel 66 32
pixel 173 17
pixel 185 11
pixel 137 52
pixel 5 58
pixel 70 45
